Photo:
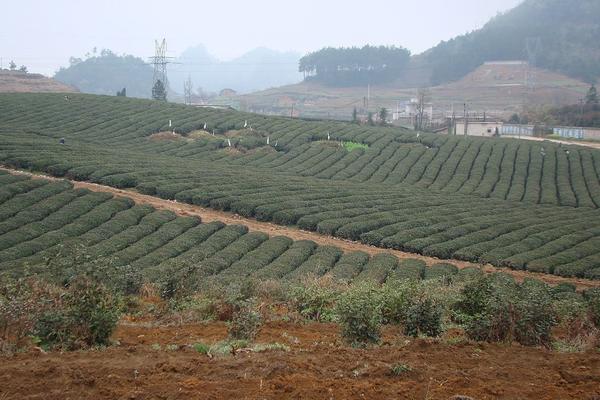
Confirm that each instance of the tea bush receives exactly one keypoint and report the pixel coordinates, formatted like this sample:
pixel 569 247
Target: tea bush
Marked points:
pixel 359 315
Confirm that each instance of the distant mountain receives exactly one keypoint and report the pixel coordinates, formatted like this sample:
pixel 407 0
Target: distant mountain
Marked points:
pixel 108 73
pixel 258 69
pixel 558 35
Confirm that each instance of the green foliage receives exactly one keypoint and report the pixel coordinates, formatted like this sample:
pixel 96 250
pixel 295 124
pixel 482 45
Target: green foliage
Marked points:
pixel 21 303
pixel 423 317
pixel 591 97
pixel 355 116
pixel 201 348
pixel 495 309
pixel 84 315
pixel 559 35
pixel 107 73
pixel 159 92
pixel 315 300
pixel 400 369
pixel 355 66
pixel 359 315
pixel 593 298
pixel 350 146
pixel 419 194
pixel 383 116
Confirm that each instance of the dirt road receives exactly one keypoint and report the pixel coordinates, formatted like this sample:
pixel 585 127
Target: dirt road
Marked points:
pixel 209 215
pixel 593 145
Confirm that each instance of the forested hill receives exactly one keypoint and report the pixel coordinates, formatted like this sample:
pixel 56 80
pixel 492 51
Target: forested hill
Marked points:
pixel 561 36
pixel 107 73
pixel 355 66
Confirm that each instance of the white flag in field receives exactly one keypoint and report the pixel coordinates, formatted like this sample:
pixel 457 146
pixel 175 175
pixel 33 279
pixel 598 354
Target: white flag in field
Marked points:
pixel 170 123
pixel 268 139
pixel 205 126
pixel 229 142
pixel 245 124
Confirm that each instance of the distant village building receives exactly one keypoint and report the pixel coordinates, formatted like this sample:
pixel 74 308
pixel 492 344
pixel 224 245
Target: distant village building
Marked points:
pixel 517 130
pixel 479 128
pixel 409 111
pixel 576 132
pixel 227 93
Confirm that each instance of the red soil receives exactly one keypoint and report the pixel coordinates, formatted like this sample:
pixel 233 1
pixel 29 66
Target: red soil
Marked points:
pixel 318 366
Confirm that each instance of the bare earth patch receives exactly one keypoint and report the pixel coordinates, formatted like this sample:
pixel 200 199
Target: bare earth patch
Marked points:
pixel 159 363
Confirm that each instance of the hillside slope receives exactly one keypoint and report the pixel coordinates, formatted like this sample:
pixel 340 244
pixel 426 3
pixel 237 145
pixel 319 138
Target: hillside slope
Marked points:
pixel 494 88
pixel 21 82
pixel 521 204
pixel 557 35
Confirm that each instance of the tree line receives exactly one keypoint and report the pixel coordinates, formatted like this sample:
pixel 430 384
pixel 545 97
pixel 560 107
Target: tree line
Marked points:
pixel 354 66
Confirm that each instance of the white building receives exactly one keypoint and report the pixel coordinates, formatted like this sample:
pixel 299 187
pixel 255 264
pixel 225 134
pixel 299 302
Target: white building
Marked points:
pixel 479 128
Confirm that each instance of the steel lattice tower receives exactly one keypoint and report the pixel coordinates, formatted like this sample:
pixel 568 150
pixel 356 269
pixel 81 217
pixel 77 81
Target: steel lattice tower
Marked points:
pixel 160 61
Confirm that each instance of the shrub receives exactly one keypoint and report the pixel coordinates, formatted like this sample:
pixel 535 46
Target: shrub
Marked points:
pixel 73 259
pixel 592 297
pixel 496 309
pixel 85 315
pixel 314 299
pixel 245 323
pixel 359 315
pixel 400 369
pixel 21 303
pixel 423 317
pixel 396 299
pixel 536 314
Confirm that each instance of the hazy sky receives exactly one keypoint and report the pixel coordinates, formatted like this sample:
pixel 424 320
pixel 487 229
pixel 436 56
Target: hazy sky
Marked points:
pixel 44 33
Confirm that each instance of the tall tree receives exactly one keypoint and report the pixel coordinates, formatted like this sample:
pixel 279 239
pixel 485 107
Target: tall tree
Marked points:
pixel 383 116
pixel 354 116
pixel 12 66
pixel 421 114
pixel 591 98
pixel 159 92
pixel 370 119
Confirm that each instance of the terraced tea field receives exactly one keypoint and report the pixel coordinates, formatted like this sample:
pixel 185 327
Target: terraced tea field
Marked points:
pixel 525 205
pixel 40 217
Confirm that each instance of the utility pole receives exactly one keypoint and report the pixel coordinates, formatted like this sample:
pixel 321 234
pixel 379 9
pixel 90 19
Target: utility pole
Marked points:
pixel 466 120
pixel 187 90
pixel 292 112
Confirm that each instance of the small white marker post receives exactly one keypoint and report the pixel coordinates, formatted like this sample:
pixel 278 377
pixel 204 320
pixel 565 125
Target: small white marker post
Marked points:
pixel 229 142
pixel 268 140
pixel 170 123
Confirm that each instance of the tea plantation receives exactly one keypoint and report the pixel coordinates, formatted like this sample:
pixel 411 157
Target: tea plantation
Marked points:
pixel 42 218
pixel 521 204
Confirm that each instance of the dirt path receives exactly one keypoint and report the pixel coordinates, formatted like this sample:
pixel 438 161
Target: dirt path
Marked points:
pixel 158 362
pixel 210 215
pixel 593 145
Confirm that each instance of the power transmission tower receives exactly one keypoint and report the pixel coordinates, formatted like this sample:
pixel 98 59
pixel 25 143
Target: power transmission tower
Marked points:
pixel 187 90
pixel 533 46
pixel 160 81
